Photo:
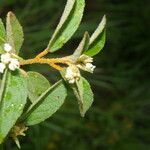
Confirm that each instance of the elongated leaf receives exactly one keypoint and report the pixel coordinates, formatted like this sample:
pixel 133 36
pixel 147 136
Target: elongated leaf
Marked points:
pixel 68 24
pixel 2 33
pixel 97 45
pixel 15 35
pixel 84 95
pixel 82 91
pixel 13 100
pixel 65 15
pixel 48 103
pixel 2 85
pixel 97 40
pixel 36 84
pixel 78 91
pixel 99 30
pixel 83 46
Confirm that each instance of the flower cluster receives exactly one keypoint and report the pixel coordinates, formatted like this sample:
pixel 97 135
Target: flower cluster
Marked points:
pixel 85 63
pixel 8 60
pixel 72 74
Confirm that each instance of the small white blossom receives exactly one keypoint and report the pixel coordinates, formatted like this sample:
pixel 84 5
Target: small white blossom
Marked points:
pixel 5 58
pixel 69 73
pixel 72 74
pixel 7 47
pixel 72 81
pixel 14 64
pixel 85 63
pixel 2 67
pixel 89 67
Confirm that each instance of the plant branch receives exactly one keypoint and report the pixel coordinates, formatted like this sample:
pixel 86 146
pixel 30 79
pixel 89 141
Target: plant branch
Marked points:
pixel 42 54
pixel 53 62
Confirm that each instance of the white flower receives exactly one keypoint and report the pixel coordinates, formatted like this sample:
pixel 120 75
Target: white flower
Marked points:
pixel 2 67
pixel 89 67
pixel 7 47
pixel 6 58
pixel 72 81
pixel 72 74
pixel 14 64
pixel 85 63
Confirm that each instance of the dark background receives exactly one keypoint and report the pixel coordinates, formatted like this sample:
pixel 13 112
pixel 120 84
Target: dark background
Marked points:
pixel 120 116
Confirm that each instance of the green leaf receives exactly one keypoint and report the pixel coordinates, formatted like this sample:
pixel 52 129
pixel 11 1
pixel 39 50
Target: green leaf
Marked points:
pixel 36 84
pixel 84 95
pixel 97 40
pixel 2 85
pixel 82 91
pixel 83 46
pixel 99 30
pixel 13 99
pixel 2 33
pixel 47 104
pixel 97 45
pixel 68 24
pixel 15 35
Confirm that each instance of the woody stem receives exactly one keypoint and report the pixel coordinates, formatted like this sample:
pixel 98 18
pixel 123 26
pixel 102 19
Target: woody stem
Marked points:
pixel 53 62
pixel 42 54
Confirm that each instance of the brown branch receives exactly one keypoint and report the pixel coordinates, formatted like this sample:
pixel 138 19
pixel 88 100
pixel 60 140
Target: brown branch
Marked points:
pixel 53 62
pixel 42 54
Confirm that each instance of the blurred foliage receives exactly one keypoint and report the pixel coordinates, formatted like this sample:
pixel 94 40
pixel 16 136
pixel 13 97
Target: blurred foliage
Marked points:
pixel 119 119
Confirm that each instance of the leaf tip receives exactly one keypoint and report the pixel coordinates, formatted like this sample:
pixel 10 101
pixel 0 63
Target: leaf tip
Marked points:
pixel 10 13
pixel 82 115
pixel 104 19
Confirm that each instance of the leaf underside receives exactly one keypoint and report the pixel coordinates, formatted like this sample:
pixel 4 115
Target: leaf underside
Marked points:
pixel 84 95
pixel 83 46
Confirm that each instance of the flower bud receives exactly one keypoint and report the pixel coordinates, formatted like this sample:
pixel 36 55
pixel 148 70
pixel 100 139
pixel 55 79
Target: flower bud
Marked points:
pixel 72 74
pixel 6 58
pixel 7 47
pixel 85 59
pixel 14 64
pixel 89 67
pixel 85 63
